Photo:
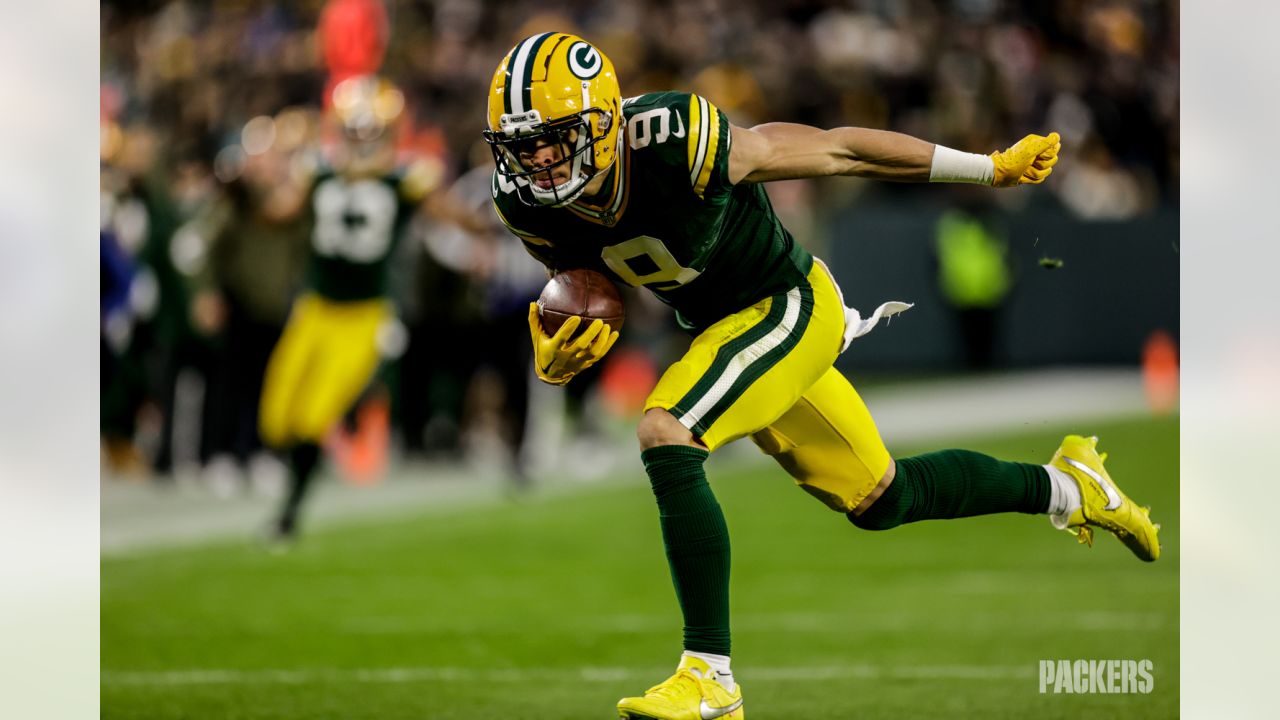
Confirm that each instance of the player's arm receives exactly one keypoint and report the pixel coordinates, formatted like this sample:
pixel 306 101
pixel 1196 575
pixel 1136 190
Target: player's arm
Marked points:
pixel 787 151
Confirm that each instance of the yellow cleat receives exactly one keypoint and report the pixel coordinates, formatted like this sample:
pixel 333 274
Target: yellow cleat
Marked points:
pixel 1105 505
pixel 693 693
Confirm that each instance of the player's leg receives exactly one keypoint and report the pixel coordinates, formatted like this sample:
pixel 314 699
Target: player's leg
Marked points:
pixel 1074 489
pixel 284 384
pixel 694 533
pixel 286 369
pixel 829 444
pixel 948 484
pixel 738 376
pixel 345 360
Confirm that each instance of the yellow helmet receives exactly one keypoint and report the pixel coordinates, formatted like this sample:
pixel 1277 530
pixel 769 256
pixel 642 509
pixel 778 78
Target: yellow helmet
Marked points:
pixel 366 106
pixel 554 89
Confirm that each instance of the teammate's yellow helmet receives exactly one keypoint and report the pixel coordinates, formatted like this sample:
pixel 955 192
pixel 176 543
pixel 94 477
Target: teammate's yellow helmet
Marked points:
pixel 366 106
pixel 558 89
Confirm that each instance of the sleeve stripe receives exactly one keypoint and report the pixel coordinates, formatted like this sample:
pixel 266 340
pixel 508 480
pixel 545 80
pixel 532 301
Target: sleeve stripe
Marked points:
pixel 695 146
pixel 708 124
pixel 713 141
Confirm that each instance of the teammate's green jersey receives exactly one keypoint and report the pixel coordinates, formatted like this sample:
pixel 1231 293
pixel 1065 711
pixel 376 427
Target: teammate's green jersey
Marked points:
pixel 357 223
pixel 668 218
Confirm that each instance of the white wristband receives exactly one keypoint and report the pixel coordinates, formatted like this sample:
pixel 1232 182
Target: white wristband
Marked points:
pixel 961 167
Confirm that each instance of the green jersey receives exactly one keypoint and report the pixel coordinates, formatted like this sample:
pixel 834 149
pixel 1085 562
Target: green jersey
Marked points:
pixel 668 218
pixel 357 223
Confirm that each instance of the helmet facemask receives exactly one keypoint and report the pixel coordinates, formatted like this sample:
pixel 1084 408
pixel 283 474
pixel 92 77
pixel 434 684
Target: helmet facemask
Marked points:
pixel 525 134
pixel 553 90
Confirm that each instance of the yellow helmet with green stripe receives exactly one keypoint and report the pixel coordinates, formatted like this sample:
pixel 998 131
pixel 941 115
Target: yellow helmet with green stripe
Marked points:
pixel 554 89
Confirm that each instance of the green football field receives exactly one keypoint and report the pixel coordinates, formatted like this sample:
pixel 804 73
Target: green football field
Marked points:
pixel 555 607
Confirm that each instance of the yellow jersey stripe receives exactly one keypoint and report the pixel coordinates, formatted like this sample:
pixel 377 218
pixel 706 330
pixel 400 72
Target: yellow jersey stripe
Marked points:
pixel 712 122
pixel 695 137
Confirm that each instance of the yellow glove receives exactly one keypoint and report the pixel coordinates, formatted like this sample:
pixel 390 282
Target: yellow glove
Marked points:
pixel 1028 162
pixel 556 359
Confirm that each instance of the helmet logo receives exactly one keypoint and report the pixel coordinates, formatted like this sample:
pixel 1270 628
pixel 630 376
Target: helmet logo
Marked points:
pixel 585 61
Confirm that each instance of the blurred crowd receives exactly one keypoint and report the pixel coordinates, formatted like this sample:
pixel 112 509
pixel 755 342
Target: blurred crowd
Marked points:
pixel 207 105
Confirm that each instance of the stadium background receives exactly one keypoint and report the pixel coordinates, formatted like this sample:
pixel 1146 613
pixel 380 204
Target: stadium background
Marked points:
pixel 182 84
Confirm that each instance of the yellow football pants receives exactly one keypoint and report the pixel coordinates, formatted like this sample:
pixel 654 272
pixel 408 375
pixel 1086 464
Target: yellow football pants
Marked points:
pixel 766 372
pixel 327 355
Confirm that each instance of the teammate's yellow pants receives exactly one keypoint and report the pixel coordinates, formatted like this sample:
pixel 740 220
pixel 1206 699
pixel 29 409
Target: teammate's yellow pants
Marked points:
pixel 766 372
pixel 327 355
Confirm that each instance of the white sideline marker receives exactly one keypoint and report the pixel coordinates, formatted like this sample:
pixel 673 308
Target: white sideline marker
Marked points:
pixel 396 675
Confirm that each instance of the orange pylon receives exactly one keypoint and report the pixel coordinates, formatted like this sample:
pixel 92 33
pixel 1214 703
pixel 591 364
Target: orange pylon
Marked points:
pixel 361 456
pixel 1160 372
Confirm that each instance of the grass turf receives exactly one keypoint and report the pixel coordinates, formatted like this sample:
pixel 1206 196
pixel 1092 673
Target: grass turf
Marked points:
pixel 554 608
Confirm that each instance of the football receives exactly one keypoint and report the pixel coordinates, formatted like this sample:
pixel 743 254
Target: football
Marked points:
pixel 581 292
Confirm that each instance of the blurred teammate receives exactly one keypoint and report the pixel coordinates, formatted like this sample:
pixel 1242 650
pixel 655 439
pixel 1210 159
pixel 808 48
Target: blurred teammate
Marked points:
pixel 661 191
pixel 329 350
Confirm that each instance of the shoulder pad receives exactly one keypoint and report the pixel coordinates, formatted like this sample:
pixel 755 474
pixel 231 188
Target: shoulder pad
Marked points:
pixel 685 130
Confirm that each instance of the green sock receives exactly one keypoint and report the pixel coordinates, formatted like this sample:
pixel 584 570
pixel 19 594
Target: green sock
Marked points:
pixel 303 459
pixel 697 543
pixel 953 484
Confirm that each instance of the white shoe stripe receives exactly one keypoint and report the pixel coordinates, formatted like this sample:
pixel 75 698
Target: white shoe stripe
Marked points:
pixel 1113 497
pixel 710 713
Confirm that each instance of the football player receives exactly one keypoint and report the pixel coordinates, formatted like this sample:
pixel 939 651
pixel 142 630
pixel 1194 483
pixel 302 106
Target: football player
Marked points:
pixel 329 350
pixel 661 191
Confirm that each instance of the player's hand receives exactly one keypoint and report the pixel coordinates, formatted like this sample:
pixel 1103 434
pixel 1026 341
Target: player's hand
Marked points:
pixel 556 358
pixel 1028 162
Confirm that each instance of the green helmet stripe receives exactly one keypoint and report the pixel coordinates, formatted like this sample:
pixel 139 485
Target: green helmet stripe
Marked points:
pixel 522 72
pixel 515 73
pixel 506 92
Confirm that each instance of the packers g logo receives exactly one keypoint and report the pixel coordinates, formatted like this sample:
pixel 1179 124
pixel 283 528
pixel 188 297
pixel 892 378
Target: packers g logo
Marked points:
pixel 584 61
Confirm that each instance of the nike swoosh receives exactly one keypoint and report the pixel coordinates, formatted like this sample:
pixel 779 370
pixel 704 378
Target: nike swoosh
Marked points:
pixel 710 713
pixel 679 124
pixel 1113 497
